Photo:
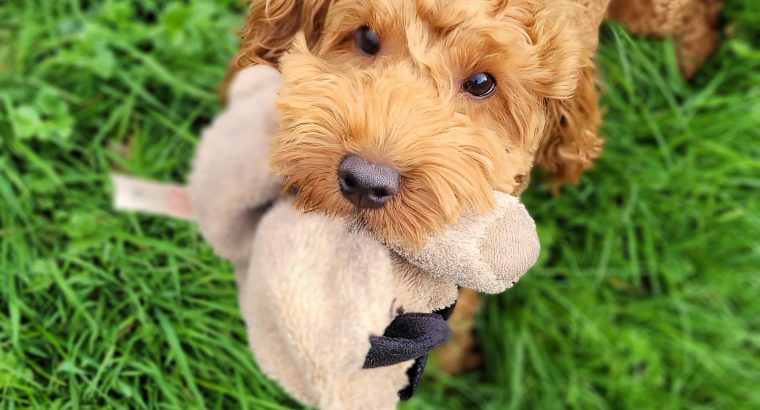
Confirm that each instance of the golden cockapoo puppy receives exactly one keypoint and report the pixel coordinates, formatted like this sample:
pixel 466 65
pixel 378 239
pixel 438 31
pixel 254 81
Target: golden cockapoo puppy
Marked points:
pixel 442 100
pixel 402 115
pixel 454 96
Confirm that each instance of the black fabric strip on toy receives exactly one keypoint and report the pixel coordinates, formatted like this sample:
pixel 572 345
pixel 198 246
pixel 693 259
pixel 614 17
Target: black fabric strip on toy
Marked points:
pixel 409 335
pixel 447 311
pixel 414 374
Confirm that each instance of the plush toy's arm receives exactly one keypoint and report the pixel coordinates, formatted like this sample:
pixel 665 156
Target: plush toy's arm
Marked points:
pixel 487 252
pixel 231 183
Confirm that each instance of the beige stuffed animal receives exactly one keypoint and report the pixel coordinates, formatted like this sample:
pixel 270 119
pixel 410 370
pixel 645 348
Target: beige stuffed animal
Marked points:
pixel 318 293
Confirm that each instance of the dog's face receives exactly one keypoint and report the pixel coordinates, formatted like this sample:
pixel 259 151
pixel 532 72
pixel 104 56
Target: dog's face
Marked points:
pixel 404 114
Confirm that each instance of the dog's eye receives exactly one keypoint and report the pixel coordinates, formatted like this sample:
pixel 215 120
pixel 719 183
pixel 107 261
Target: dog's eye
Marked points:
pixel 480 85
pixel 367 40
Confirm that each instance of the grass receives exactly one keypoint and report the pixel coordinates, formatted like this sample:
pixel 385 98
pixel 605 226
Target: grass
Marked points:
pixel 645 295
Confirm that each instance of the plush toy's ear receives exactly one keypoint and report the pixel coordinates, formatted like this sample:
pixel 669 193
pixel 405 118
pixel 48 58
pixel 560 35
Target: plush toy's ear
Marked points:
pixel 271 26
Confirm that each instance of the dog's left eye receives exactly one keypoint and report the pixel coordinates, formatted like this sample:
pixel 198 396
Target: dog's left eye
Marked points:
pixel 367 40
pixel 480 85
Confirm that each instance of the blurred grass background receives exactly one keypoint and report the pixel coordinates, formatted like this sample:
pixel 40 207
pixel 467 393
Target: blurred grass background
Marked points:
pixel 646 295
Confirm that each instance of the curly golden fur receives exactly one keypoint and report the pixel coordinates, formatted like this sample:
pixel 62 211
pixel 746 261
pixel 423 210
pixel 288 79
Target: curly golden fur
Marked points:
pixel 405 107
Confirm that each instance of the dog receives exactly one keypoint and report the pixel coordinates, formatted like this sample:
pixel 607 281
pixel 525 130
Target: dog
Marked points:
pixel 421 108
pixel 405 114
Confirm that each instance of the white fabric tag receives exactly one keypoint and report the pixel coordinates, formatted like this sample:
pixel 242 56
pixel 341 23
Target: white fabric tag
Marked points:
pixel 134 194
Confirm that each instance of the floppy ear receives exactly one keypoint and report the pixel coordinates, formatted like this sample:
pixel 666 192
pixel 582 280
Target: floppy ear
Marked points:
pixel 550 49
pixel 271 25
pixel 558 66
pixel 570 143
pixel 269 30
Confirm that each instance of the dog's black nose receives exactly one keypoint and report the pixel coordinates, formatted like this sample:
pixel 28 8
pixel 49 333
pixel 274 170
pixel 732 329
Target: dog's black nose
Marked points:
pixel 365 184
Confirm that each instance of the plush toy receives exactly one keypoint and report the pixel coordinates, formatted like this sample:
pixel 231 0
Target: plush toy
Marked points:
pixel 340 317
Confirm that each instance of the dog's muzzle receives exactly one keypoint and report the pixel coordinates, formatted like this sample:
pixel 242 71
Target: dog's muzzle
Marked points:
pixel 365 184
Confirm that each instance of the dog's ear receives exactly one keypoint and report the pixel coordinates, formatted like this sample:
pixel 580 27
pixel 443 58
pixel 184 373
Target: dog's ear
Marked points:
pixel 271 25
pixel 550 50
pixel 564 37
pixel 269 31
pixel 570 143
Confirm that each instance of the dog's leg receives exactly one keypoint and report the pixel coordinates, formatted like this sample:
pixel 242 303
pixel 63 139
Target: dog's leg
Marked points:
pixel 697 40
pixel 691 23
pixel 461 354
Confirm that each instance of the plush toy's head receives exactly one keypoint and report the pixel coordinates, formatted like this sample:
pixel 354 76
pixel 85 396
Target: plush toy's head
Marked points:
pixel 406 114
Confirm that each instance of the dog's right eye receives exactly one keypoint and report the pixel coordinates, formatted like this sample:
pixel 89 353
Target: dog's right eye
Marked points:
pixel 367 40
pixel 480 85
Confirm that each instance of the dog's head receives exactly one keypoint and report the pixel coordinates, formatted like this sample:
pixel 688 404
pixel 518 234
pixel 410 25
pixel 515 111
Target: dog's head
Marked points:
pixel 404 114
